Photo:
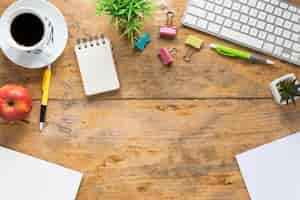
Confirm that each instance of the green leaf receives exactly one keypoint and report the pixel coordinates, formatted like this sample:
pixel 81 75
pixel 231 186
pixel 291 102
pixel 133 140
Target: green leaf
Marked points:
pixel 127 15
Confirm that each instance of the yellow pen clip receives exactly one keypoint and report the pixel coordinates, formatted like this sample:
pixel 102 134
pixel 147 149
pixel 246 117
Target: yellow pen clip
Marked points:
pixel 46 85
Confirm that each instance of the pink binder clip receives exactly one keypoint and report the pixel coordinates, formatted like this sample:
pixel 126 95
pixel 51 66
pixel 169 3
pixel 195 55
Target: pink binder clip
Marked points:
pixel 168 31
pixel 166 56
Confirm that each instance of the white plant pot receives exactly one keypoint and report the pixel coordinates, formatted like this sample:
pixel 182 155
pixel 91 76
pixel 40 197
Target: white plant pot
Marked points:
pixel 274 88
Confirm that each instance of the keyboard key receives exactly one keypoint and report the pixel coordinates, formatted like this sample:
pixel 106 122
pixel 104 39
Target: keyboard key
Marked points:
pixel 278 31
pixel 279 21
pixel 271 19
pixel 218 9
pixel 227 3
pixel 236 6
pixel 285 55
pixel 202 13
pixel 288 44
pixel 268 47
pixel 296 47
pixel 215 28
pixel 296 28
pixel 278 12
pixel 243 38
pixel 235 15
pixel 261 24
pixel 202 23
pixel 294 58
pixel 262 35
pixel 220 19
pixel 226 12
pixel 279 40
pixel 194 10
pixel 220 2
pixel 295 18
pixel 228 23
pixel 190 19
pixel 252 21
pixel 278 51
pixel 253 31
pixel 287 25
pixel 209 6
pixel 244 19
pixel 236 26
pixel 210 16
pixel 275 2
pixel 253 12
pixel 261 5
pixel 270 38
pixel 269 8
pixel 296 55
pixel 295 37
pixel 287 34
pixel 283 5
pixel 245 29
pixel 198 3
pixel 262 15
pixel 269 28
pixel 287 14
pixel 252 3
pixel 245 9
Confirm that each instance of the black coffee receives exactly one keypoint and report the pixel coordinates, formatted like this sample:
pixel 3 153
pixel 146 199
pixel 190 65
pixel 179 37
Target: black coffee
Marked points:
pixel 27 29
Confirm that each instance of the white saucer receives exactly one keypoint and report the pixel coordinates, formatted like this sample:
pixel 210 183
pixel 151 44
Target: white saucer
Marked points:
pixel 34 60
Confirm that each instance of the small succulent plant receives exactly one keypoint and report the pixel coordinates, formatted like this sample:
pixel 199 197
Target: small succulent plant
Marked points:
pixel 127 15
pixel 289 90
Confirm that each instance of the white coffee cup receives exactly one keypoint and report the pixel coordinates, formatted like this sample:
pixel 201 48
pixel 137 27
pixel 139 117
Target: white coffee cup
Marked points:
pixel 41 46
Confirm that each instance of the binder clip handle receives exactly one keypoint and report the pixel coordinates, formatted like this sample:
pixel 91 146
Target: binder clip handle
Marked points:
pixel 173 52
pixel 189 54
pixel 170 16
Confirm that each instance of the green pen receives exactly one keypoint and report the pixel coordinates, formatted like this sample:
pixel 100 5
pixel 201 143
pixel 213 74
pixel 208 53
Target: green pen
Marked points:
pixel 226 51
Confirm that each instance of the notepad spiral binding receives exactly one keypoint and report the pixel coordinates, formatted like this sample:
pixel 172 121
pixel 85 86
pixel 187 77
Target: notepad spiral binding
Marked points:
pixel 84 43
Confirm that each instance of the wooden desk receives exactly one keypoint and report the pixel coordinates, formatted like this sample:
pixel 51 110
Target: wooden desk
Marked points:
pixel 169 133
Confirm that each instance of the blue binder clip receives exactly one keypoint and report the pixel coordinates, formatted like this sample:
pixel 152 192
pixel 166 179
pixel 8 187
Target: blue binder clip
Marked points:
pixel 142 42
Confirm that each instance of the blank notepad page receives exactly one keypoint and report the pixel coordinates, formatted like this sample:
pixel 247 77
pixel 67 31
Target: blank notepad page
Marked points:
pixel 97 67
pixel 23 177
pixel 272 171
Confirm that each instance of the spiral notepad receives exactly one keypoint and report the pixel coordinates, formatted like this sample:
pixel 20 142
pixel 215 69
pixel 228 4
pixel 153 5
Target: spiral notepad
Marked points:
pixel 96 64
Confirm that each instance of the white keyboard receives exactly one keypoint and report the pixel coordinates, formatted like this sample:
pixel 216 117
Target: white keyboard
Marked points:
pixel 267 26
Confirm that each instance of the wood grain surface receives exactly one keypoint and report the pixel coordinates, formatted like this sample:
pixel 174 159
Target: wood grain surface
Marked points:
pixel 169 133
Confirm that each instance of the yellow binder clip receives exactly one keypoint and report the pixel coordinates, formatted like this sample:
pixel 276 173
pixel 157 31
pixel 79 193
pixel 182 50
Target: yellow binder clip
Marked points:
pixel 194 44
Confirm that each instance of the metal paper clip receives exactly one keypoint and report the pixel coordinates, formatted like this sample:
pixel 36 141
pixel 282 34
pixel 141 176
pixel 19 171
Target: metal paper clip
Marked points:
pixel 194 44
pixel 168 30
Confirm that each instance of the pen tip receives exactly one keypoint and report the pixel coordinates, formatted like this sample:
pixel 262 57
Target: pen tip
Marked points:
pixel 270 62
pixel 212 46
pixel 41 126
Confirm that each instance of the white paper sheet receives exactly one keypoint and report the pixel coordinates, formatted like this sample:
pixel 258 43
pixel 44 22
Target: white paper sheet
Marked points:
pixel 272 171
pixel 28 178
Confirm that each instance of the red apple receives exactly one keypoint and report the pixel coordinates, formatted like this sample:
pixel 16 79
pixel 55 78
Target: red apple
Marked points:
pixel 15 102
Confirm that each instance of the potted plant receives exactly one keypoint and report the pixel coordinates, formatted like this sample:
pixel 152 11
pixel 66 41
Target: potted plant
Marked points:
pixel 127 15
pixel 286 89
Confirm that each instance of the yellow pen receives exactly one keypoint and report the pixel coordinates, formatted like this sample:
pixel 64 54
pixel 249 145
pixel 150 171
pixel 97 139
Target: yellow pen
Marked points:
pixel 45 95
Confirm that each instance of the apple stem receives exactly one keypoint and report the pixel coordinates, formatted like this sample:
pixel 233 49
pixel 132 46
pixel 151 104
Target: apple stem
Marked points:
pixel 11 103
pixel 25 121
